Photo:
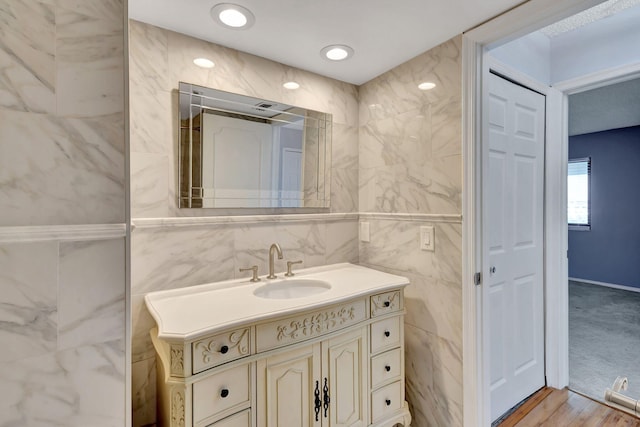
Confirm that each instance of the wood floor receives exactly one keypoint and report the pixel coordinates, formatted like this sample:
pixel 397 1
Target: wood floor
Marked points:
pixel 564 408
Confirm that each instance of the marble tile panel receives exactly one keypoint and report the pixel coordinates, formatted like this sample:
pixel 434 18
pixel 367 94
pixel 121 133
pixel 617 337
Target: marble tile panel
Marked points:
pixel 91 292
pixel 89 57
pixel 366 189
pixel 304 241
pixel 27 56
pixel 413 188
pixel 28 310
pixel 396 244
pixel 141 324
pixel 435 307
pixel 418 375
pixel 143 389
pixel 148 60
pixel 446 128
pixel 396 91
pixel 153 122
pixel 342 242
pixel 402 139
pixel 61 170
pixel 344 146
pixel 78 387
pixel 177 257
pixel 434 379
pixel 149 185
pixel 344 190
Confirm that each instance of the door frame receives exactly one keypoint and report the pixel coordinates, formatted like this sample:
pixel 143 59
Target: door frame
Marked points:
pixel 516 22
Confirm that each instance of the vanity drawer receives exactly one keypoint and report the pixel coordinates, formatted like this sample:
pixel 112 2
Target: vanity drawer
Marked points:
pixel 242 419
pixel 385 367
pixel 387 399
pixel 385 303
pixel 219 349
pixel 385 334
pixel 221 391
pixel 310 325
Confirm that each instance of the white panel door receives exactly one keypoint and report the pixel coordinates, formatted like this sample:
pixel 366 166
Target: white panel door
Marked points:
pixel 513 179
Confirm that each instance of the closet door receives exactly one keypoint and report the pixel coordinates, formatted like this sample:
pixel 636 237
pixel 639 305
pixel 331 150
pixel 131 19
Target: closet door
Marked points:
pixel 513 180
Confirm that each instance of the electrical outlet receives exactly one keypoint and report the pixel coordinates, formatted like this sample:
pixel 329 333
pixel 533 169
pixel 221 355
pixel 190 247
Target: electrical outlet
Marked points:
pixel 364 232
pixel 427 238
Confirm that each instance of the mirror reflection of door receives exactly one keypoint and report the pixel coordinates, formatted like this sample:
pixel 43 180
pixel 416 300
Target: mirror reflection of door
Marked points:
pixel 236 157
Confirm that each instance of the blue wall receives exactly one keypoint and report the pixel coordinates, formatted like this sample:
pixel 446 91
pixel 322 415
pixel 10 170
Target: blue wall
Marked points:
pixel 610 252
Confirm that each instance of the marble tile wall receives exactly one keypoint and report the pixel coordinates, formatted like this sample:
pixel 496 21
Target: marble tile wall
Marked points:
pixel 410 163
pixel 167 257
pixel 62 157
pixel 62 333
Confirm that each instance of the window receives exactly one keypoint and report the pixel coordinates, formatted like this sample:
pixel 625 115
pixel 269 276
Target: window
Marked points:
pixel 578 194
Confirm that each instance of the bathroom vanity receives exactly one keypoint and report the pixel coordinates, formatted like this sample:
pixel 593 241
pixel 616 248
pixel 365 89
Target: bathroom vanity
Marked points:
pixel 322 348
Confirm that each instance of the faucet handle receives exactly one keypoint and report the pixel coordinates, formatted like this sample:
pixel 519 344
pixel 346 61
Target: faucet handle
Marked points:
pixel 289 273
pixel 254 270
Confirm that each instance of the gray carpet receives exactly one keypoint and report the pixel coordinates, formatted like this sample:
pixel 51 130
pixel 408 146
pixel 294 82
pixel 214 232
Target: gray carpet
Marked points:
pixel 604 339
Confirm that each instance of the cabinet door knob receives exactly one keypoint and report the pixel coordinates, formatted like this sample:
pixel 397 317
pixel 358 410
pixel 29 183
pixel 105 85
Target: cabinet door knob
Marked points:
pixel 387 303
pixel 224 393
pixel 387 333
pixel 224 349
pixel 387 368
pixel 388 402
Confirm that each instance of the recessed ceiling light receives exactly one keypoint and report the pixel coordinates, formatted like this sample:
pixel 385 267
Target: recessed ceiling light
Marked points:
pixel 291 85
pixel 426 86
pixel 337 52
pixel 233 16
pixel 204 63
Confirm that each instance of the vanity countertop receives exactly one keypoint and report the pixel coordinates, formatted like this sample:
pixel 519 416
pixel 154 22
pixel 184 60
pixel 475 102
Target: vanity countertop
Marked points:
pixel 190 313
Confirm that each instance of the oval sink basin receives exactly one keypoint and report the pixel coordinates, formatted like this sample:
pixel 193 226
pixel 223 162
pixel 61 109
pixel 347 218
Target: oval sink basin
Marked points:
pixel 296 288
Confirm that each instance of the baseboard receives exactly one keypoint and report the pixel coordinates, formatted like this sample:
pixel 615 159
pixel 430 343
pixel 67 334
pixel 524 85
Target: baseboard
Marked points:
pixel 608 285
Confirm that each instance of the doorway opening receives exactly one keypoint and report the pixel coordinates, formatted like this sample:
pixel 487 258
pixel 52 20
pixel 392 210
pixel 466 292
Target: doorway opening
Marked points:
pixel 537 60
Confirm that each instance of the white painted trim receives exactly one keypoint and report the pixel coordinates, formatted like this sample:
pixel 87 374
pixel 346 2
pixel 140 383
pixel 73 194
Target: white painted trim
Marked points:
pixel 608 285
pixel 473 406
pixel 555 237
pixel 38 233
pixel 147 223
pixel 455 219
pixel 599 79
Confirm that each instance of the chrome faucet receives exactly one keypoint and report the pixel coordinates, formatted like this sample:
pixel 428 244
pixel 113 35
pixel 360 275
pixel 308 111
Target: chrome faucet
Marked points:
pixel 274 248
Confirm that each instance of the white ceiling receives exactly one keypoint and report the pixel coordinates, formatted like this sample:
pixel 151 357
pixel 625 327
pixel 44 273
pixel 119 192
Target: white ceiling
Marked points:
pixel 383 33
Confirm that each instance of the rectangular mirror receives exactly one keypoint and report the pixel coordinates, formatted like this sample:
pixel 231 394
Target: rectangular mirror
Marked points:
pixel 242 152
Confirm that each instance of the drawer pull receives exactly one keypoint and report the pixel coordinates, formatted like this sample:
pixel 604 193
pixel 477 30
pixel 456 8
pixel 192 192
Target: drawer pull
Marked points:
pixel 224 349
pixel 388 402
pixel 387 334
pixel 387 303
pixel 387 368
pixel 224 393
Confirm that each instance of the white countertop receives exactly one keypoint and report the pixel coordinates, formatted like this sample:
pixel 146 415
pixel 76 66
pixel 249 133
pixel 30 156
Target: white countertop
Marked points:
pixel 190 313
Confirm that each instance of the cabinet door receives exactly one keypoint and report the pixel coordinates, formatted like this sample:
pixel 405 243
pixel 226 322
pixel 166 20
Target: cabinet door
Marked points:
pixel 286 383
pixel 346 359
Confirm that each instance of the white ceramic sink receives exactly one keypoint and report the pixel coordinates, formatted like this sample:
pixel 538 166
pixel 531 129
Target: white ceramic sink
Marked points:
pixel 292 288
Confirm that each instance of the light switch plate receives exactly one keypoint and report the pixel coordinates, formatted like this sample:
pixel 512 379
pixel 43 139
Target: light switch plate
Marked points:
pixel 427 238
pixel 364 232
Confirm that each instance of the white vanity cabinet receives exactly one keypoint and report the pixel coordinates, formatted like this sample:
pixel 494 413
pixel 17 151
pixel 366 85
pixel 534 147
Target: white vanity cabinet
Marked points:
pixel 337 363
